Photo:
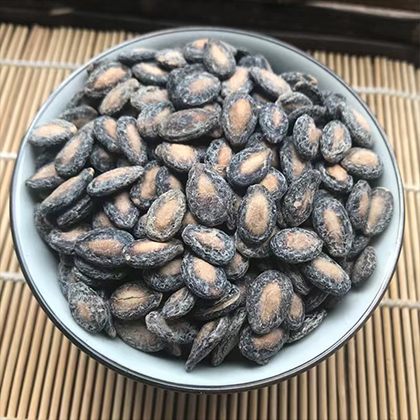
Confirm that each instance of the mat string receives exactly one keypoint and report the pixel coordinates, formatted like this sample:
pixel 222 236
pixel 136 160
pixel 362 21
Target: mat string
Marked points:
pixel 388 303
pixel 75 66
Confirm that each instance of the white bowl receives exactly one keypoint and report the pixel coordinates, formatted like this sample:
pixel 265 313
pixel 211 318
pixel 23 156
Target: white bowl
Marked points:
pixel 39 264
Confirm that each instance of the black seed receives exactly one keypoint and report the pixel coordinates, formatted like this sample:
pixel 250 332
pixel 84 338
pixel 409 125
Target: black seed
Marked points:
pixel 273 122
pixel 77 212
pixel 150 74
pixel 203 279
pixel 178 304
pixel 256 250
pixel 334 177
pixel 65 278
pixel 231 337
pixel 112 181
pixel 335 141
pixel 67 193
pixel 240 81
pixel 174 349
pixel 296 314
pixel 292 101
pixel 268 300
pixel 136 55
pixel 64 241
pixel 167 278
pixel 300 284
pixel 53 133
pixel 255 60
pixel 151 117
pixel 305 137
pixel 164 217
pixel 83 278
pixel 46 178
pixel 296 245
pixel 218 59
pixel 310 90
pixel 46 156
pixel 262 348
pixel 147 95
pixel 170 58
pixel 212 245
pixel 233 211
pixel 298 200
pixel 269 83
pixel 173 331
pixel 208 195
pixel 101 220
pixel 358 204
pixel 166 181
pixel 218 156
pixel 358 126
pixel 118 97
pixel 121 210
pixel 237 268
pixel 380 212
pixel 71 159
pixel 131 144
pixel 102 160
pixel 257 215
pixel 213 310
pixel 217 131
pixel 332 224
pixel 315 299
pixel 360 242
pixel 249 166
pixel 327 275
pixel 364 266
pixel 331 302
pixel 193 51
pixel 143 193
pixel 363 163
pixel 103 247
pixel 133 301
pixel 206 340
pixel 109 325
pixel 178 157
pixel 195 89
pixel 276 184
pixel 291 163
pixel 294 77
pixel 145 253
pixel 310 322
pixel 332 102
pixel 80 115
pixel 239 118
pixel 316 112
pixel 87 307
pixel 187 124
pixel 105 131
pixel 135 334
pixel 104 78
pixel 104 274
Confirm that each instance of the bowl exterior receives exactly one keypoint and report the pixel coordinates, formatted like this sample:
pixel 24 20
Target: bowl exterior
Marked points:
pixel 39 264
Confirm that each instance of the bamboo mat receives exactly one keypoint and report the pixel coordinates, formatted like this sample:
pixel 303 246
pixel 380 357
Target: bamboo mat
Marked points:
pixel 43 376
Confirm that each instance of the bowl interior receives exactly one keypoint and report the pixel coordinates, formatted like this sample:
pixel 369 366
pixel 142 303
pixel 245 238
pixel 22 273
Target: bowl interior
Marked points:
pixel 40 265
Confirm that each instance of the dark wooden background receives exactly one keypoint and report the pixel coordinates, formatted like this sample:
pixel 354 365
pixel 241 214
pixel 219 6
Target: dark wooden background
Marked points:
pixel 386 27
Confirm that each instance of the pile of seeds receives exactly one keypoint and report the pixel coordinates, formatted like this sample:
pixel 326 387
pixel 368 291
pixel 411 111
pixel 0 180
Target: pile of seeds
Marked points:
pixel 201 203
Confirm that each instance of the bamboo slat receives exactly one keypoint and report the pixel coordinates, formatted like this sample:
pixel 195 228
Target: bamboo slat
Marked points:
pixel 43 376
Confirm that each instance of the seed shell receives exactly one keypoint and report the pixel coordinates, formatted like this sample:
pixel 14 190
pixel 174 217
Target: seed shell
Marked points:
pixel 77 212
pixel 80 115
pixel 262 348
pixel 208 195
pixel 145 253
pixel 380 211
pixel 104 274
pixel 358 126
pixel 327 275
pixel 316 112
pixel 269 83
pixel 364 266
pixel 360 242
pixel 164 217
pixel 310 322
pixel 240 81
pixel 210 244
pixel 135 334
pixel 231 337
pixel 167 278
pixel 305 137
pixel 178 304
pixel 101 220
pixel 131 144
pixel 178 157
pixel 292 164
pixel 268 301
pixel 133 301
pixel 150 74
pixel 65 241
pixel 248 250
pixel 65 278
pixel 292 101
pixel 53 133
pixel 144 193
pixel 101 160
pixel 136 55
pixel 151 117
pixel 239 118
pixel 218 155
pixel 335 141
pixel 315 299
pixel 276 184
pixel 121 210
pixel 147 95
pixel 332 102
pixel 218 59
pixel 363 163
pixel 67 193
pixel 237 268
pixel 105 131
pixel 87 307
pixel 296 314
pixel 166 181
pixel 45 178
pixel 118 97
pixel 170 58
pixel 206 340
pixel 358 204
pixel 203 279
pixel 273 122
pixel 115 180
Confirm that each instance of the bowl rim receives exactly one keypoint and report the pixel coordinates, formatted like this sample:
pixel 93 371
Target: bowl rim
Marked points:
pixel 196 388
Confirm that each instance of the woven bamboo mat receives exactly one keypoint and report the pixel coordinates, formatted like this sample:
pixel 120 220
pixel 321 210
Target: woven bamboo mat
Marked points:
pixel 43 376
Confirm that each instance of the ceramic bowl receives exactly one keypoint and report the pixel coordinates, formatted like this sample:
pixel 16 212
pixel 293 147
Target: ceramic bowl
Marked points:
pixel 39 264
